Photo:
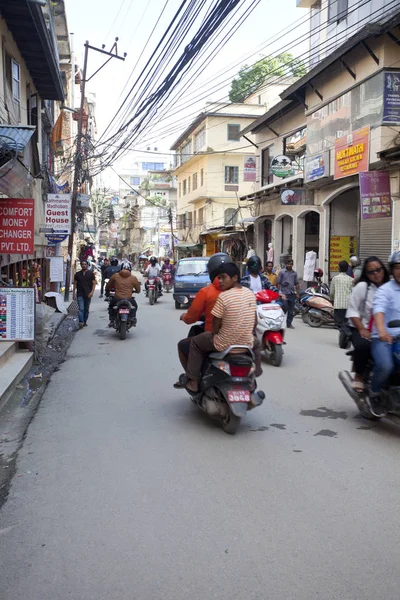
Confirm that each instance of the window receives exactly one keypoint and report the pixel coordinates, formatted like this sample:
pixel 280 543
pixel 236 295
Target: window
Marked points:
pixel 179 190
pixel 184 187
pixel 152 166
pixel 266 158
pixel 233 133
pixel 194 181
pixel 135 180
pixel 294 146
pixel 188 220
pixel 186 151
pixel 13 82
pixel 194 218
pixel 201 216
pixel 200 140
pixel 337 10
pixel 188 185
pixel 230 216
pixel 232 175
pixel 201 177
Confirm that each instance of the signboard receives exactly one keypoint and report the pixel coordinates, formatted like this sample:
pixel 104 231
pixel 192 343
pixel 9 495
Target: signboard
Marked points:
pixel 391 98
pixel 165 239
pixel 58 213
pixel 375 195
pixel 17 314
pixel 341 248
pixel 293 197
pixel 114 200
pixel 56 238
pixel 316 166
pixel 83 200
pixel 17 226
pixel 56 269
pixel 249 168
pixel 50 251
pixel 281 166
pixel 352 153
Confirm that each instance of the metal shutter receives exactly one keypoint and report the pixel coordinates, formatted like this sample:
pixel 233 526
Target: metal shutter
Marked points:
pixel 375 238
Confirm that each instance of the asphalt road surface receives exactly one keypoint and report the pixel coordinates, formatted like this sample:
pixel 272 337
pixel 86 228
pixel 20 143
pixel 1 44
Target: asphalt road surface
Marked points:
pixel 125 491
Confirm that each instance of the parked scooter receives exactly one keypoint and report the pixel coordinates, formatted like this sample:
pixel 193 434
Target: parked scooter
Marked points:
pixel 390 397
pixel 319 309
pixel 271 322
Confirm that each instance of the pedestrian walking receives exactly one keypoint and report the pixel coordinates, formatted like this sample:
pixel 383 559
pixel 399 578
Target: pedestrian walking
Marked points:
pixel 106 263
pixel 84 286
pixel 288 285
pixel 269 273
pixel 341 288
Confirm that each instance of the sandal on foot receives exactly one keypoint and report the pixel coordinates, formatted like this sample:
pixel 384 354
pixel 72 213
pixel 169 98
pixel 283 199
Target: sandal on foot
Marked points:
pixel 358 386
pixel 180 384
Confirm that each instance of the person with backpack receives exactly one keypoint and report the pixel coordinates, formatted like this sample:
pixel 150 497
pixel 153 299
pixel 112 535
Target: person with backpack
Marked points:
pixel 359 313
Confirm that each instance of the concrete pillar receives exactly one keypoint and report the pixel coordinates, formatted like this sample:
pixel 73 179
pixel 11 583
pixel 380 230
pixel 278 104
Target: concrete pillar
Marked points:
pixel 323 261
pixel 299 242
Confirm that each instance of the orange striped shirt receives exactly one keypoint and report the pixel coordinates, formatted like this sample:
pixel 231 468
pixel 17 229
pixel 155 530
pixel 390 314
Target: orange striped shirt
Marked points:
pixel 237 309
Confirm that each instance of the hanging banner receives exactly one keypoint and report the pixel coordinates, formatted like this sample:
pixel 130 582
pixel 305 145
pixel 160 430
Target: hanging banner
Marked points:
pixel 17 226
pixel 17 314
pixel 249 168
pixel 391 98
pixel 58 213
pixel 352 153
pixel 375 194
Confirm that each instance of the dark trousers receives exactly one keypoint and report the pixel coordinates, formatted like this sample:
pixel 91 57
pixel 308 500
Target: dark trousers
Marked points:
pixel 202 345
pixel 291 302
pixel 83 308
pixel 362 351
pixel 113 302
pixel 103 281
pixel 339 316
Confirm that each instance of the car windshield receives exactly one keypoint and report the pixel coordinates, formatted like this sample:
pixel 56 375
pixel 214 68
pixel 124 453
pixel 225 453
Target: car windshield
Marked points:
pixel 195 267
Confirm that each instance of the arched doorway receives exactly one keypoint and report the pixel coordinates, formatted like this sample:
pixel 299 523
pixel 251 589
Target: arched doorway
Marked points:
pixel 308 240
pixel 283 238
pixel 344 218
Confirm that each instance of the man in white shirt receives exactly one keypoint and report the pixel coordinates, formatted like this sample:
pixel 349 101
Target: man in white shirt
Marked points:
pixel 152 272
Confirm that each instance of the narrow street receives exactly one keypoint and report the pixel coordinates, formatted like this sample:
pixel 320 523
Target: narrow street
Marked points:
pixel 124 490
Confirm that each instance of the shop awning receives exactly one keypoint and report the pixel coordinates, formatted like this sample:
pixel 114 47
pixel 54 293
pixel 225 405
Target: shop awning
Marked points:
pixel 183 245
pixel 16 136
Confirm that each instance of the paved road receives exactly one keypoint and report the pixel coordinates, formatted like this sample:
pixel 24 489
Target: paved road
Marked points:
pixel 125 491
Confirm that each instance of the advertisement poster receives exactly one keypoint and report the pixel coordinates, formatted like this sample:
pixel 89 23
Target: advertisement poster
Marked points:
pixel 17 226
pixel 56 269
pixel 341 248
pixel 317 166
pixel 391 98
pixel 352 153
pixel 249 168
pixel 375 196
pixel 17 314
pixel 58 213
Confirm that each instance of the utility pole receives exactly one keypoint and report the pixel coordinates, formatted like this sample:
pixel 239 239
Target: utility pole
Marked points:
pixel 171 222
pixel 78 157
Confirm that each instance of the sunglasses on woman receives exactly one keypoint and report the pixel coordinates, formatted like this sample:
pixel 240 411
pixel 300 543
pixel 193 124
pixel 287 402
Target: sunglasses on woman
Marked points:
pixel 378 270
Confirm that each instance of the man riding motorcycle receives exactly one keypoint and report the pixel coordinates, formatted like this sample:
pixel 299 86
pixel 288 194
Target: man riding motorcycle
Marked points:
pixel 153 271
pixel 112 268
pixel 124 284
pixel 255 280
pixel 386 309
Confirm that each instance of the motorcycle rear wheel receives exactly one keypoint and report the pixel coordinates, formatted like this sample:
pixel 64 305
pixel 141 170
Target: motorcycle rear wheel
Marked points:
pixel 122 330
pixel 151 297
pixel 230 423
pixel 313 321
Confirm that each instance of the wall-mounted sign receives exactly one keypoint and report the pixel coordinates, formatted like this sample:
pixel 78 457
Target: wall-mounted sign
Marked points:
pixel 341 248
pixel 56 269
pixel 249 171
pixel 83 200
pixel 58 213
pixel 293 197
pixel 317 166
pixel 375 195
pixel 352 153
pixel 56 238
pixel 281 166
pixel 17 226
pixel 17 314
pixel 391 98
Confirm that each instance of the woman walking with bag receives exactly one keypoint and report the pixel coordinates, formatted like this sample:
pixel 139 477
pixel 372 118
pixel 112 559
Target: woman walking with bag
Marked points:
pixel 359 313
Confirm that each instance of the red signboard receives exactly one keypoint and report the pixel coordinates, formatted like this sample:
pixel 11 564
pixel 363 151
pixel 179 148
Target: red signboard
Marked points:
pixel 17 226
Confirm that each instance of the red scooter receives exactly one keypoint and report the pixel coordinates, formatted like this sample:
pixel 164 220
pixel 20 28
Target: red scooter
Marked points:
pixel 153 290
pixel 167 281
pixel 271 323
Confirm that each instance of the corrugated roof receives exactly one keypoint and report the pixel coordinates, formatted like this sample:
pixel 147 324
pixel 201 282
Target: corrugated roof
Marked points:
pixel 20 134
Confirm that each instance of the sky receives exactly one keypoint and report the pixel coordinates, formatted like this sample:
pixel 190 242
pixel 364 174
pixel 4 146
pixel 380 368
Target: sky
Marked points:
pixel 132 21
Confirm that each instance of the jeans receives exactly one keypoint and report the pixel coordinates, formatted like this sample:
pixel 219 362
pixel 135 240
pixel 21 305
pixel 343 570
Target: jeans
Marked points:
pixel 291 302
pixel 382 354
pixel 83 308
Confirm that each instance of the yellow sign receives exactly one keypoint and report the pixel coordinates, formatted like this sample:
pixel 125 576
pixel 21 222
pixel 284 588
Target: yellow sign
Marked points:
pixel 341 248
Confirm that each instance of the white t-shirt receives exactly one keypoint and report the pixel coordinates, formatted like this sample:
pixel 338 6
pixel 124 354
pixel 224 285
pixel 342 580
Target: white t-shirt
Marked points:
pixel 255 284
pixel 361 302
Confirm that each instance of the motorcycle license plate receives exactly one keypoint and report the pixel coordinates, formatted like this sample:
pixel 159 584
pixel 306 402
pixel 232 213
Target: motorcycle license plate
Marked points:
pixel 123 311
pixel 238 396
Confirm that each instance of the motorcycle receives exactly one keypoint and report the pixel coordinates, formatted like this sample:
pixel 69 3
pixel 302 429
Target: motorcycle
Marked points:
pixel 123 319
pixel 389 397
pixel 228 386
pixel 271 321
pixel 152 290
pixel 167 281
pixel 318 308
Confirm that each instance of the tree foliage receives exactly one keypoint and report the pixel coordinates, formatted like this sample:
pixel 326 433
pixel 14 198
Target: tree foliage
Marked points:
pixel 250 78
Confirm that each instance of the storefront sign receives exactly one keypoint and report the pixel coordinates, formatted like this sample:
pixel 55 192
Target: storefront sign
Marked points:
pixel 352 153
pixel 391 98
pixel 56 269
pixel 281 166
pixel 50 251
pixel 293 197
pixel 58 213
pixel 56 238
pixel 341 248
pixel 17 226
pixel 17 314
pixel 249 168
pixel 317 166
pixel 375 194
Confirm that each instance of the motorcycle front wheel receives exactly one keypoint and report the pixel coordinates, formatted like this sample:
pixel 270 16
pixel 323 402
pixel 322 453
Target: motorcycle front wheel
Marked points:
pixel 230 423
pixel 122 330
pixel 313 321
pixel 276 355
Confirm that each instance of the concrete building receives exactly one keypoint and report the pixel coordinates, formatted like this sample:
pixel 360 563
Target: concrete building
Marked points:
pixel 214 167
pixel 338 121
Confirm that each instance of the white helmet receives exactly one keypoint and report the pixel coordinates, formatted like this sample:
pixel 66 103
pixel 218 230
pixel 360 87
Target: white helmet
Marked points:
pixel 126 265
